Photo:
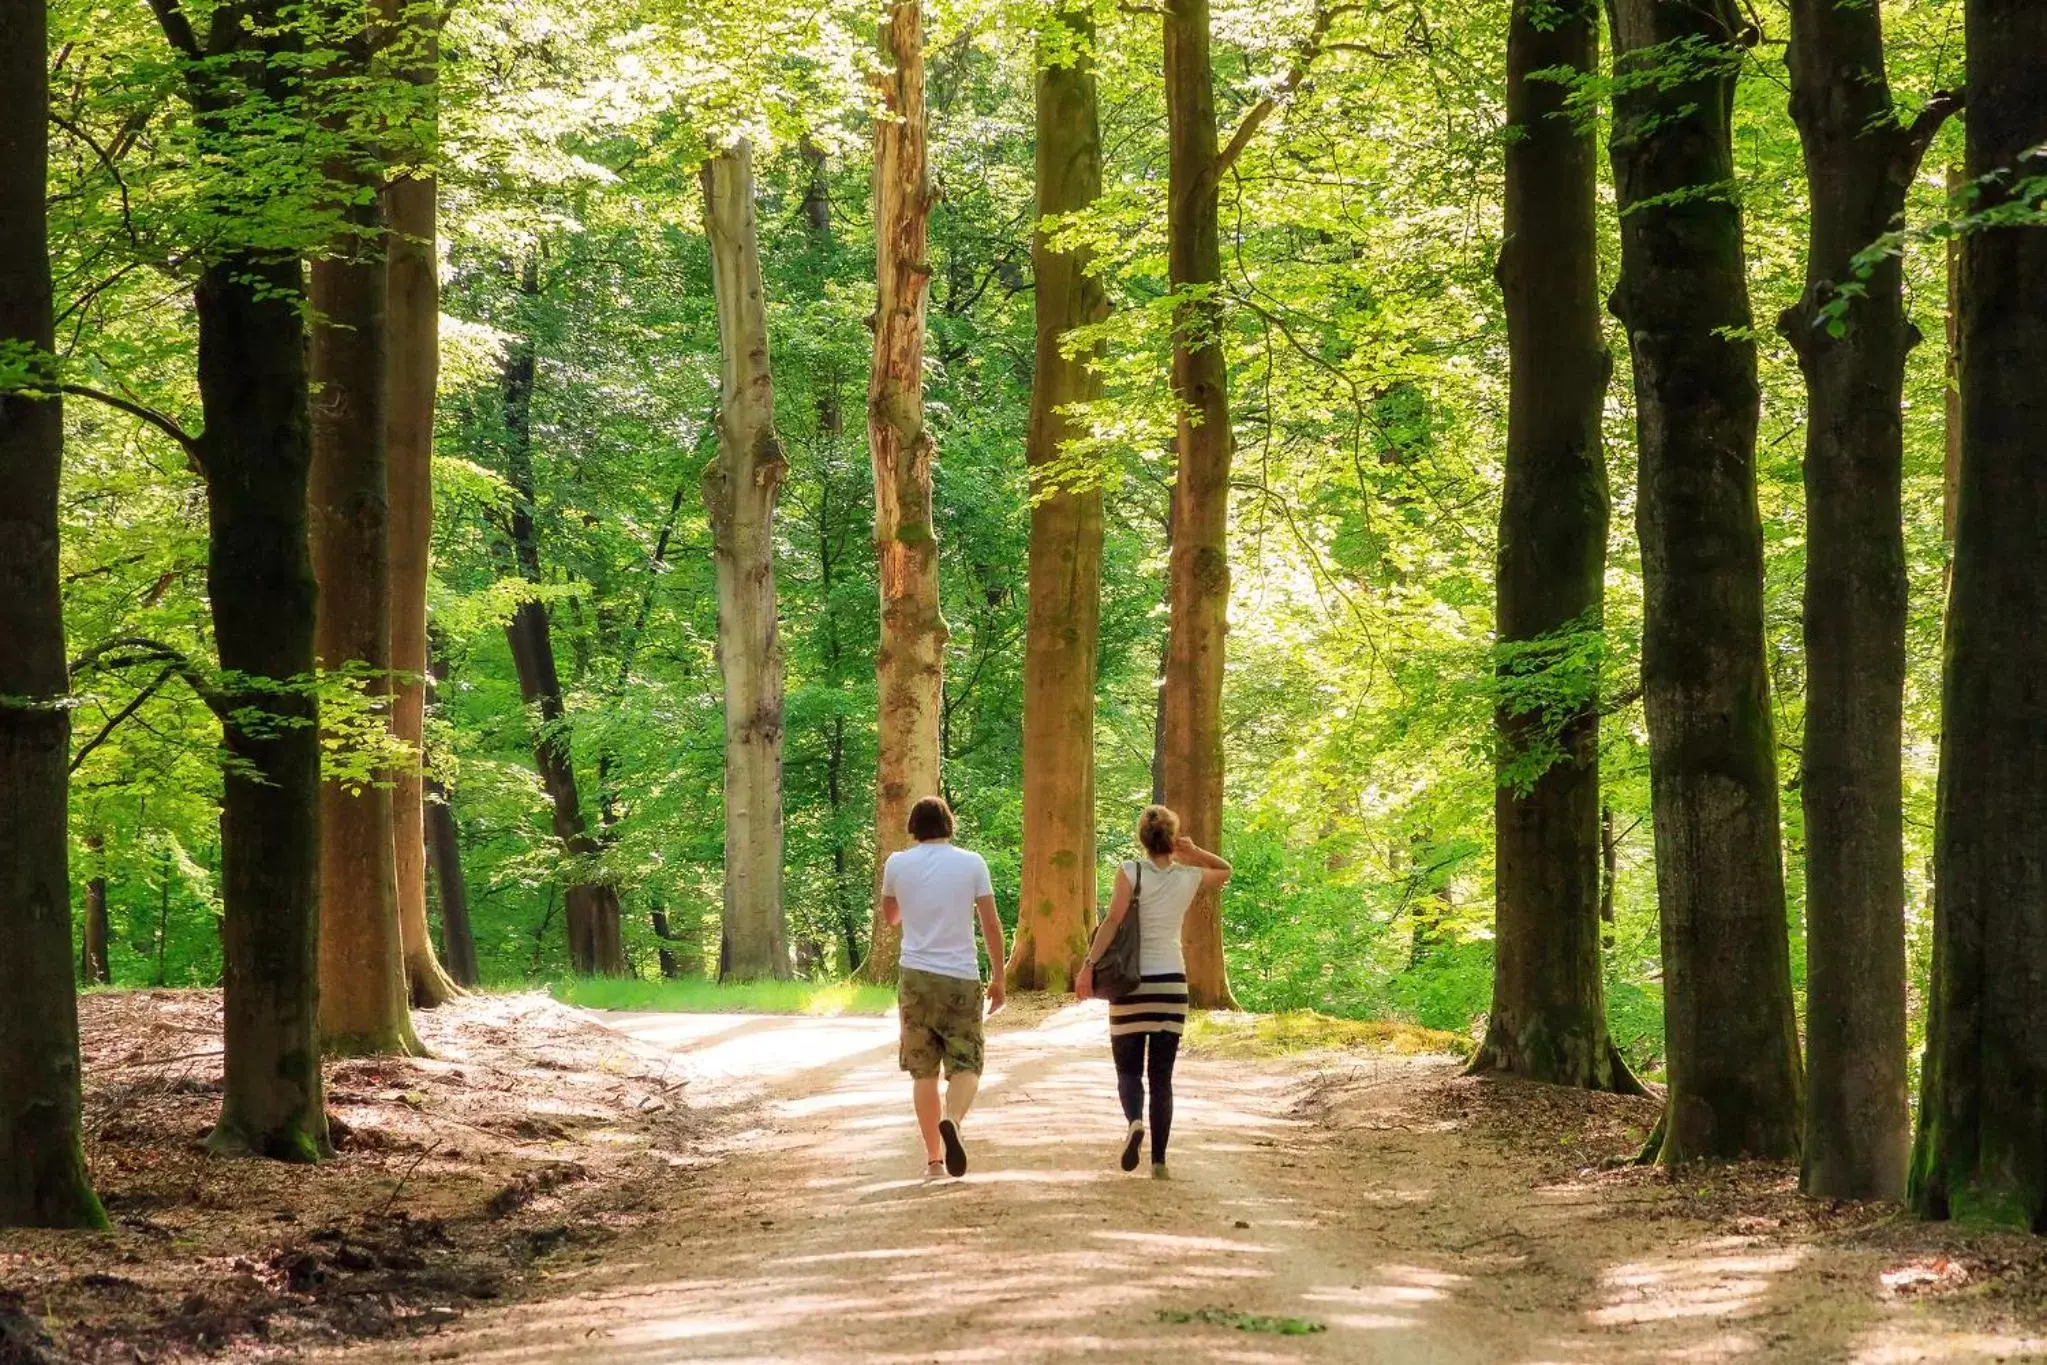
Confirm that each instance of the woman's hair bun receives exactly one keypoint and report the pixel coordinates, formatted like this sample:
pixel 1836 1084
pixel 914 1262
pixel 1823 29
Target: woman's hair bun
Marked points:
pixel 1158 830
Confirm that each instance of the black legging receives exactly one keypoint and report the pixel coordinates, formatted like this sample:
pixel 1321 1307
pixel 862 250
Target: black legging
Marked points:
pixel 1130 1076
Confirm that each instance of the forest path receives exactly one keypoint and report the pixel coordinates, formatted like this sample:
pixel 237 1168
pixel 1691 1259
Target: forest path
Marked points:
pixel 1331 1191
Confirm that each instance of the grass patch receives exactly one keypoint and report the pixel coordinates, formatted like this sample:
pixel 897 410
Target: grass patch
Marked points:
pixel 820 998
pixel 1244 1322
pixel 1280 1035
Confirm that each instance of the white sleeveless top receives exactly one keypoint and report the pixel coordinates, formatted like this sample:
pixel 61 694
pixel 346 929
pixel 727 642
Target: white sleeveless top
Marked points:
pixel 1162 902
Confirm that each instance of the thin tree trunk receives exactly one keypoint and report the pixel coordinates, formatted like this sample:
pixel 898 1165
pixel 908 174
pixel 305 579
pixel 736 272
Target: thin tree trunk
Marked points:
pixel 1056 911
pixel 593 916
pixel 1731 1033
pixel 1859 162
pixel 97 971
pixel 1198 572
pixel 740 488
pixel 257 453
pixel 910 665
pixel 363 1009
pixel 1548 1018
pixel 412 361
pixel 43 1180
pixel 444 857
pixel 1983 1111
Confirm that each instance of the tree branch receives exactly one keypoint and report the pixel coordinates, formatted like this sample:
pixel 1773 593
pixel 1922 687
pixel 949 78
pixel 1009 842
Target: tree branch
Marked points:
pixel 130 709
pixel 170 17
pixel 154 652
pixel 1311 49
pixel 167 425
pixel 1919 134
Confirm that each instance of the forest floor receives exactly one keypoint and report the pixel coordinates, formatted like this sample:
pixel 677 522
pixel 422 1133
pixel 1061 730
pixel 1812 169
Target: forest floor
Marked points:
pixel 749 1188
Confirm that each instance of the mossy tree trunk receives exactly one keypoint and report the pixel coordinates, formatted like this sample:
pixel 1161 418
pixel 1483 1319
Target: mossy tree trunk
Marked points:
pixel 1981 1153
pixel 43 1181
pixel 1731 1034
pixel 910 664
pixel 1056 911
pixel 1548 1018
pixel 1852 345
pixel 740 490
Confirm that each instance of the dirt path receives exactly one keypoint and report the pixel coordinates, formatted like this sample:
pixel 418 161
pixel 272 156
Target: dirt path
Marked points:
pixel 1363 1197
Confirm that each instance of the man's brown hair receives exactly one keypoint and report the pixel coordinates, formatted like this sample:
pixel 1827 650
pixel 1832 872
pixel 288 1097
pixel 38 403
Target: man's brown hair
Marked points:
pixel 930 819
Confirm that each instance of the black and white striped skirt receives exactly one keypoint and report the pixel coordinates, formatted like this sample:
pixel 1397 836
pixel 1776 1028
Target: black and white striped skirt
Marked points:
pixel 1158 1005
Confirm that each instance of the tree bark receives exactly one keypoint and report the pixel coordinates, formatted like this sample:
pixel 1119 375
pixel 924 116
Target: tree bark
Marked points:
pixel 1983 1110
pixel 1859 163
pixel 910 664
pixel 1056 911
pixel 1731 1034
pixel 363 1002
pixel 740 488
pixel 43 1180
pixel 1548 1018
pixel 257 453
pixel 1198 572
pixel 412 368
pixel 256 456
pixel 95 967
pixel 596 945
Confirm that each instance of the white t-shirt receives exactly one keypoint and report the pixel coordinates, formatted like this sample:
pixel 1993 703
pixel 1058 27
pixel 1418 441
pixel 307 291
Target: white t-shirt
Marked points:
pixel 1162 903
pixel 935 885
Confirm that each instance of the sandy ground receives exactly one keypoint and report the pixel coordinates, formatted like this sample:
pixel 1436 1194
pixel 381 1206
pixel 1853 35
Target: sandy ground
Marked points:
pixel 1380 1207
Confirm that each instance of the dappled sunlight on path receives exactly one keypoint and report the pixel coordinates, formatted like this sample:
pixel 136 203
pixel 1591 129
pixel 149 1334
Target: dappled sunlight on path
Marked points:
pixel 1320 1210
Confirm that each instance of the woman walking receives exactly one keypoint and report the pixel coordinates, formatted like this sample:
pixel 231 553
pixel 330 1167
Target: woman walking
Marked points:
pixel 1145 1025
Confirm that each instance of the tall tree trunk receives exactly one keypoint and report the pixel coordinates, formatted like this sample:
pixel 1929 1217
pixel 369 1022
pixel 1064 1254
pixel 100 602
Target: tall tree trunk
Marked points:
pixel 1198 572
pixel 412 368
pixel 1548 1019
pixel 43 1181
pixel 740 488
pixel 363 1003
pixel 444 858
pixel 1859 162
pixel 596 945
pixel 257 454
pixel 97 971
pixel 1731 1034
pixel 1951 462
pixel 1983 1110
pixel 1056 911
pixel 910 665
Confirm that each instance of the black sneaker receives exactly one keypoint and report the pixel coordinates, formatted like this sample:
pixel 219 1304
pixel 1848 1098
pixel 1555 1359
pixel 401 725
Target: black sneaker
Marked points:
pixel 1131 1143
pixel 955 1151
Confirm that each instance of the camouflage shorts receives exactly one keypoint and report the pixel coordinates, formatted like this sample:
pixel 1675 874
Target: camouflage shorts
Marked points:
pixel 941 1018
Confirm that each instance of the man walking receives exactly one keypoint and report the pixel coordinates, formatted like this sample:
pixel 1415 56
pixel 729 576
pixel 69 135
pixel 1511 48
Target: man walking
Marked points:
pixel 933 890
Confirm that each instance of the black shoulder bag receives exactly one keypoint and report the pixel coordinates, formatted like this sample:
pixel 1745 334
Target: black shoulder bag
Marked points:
pixel 1116 970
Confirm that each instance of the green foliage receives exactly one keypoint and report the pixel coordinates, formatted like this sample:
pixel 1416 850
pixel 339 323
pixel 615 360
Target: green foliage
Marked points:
pixel 819 998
